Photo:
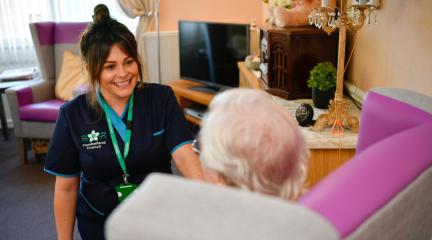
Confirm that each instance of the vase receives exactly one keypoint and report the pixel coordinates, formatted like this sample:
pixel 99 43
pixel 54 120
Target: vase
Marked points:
pixel 280 16
pixel 269 13
pixel 321 99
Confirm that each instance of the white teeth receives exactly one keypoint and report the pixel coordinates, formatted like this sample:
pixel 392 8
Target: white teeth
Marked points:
pixel 122 83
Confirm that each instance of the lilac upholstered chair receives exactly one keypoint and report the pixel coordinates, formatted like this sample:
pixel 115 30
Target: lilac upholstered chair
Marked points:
pixel 384 192
pixel 34 108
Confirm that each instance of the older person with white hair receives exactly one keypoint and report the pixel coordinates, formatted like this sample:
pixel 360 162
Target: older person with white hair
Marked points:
pixel 250 142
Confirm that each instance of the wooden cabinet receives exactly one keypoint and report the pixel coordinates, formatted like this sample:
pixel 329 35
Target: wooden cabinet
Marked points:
pixel 289 54
pixel 188 97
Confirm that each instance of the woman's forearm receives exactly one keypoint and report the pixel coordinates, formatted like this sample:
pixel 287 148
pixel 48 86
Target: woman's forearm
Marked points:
pixel 65 201
pixel 188 163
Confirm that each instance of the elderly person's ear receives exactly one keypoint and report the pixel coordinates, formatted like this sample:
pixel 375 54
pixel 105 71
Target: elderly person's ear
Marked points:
pixel 212 176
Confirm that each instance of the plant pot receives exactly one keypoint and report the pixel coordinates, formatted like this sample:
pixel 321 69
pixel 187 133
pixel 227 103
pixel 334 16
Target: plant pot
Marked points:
pixel 321 99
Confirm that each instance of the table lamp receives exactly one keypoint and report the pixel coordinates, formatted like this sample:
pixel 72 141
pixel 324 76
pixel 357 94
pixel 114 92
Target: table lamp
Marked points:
pixel 329 19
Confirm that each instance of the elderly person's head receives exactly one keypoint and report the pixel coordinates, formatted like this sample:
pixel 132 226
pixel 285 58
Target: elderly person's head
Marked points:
pixel 254 143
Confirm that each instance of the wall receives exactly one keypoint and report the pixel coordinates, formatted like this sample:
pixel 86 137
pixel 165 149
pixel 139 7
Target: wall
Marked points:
pixel 396 52
pixel 232 11
pixel 170 11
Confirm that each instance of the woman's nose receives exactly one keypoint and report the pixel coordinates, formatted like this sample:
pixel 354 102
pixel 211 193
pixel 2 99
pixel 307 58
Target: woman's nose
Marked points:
pixel 122 71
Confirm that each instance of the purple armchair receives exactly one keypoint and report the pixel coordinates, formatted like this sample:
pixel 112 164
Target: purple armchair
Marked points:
pixel 384 192
pixel 34 108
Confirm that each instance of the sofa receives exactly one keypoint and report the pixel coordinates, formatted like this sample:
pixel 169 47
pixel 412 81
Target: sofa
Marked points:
pixel 383 192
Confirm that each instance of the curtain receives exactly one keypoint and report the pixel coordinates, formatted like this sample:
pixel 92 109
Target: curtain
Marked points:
pixel 16 46
pixel 145 10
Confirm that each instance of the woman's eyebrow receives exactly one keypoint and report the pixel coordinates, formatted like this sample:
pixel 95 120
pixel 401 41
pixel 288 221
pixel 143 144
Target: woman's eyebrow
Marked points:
pixel 125 59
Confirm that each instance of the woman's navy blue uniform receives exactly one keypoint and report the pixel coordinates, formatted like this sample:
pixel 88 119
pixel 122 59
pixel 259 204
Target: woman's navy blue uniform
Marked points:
pixel 81 146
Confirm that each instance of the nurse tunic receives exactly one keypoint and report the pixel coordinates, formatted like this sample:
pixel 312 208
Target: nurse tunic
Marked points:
pixel 81 146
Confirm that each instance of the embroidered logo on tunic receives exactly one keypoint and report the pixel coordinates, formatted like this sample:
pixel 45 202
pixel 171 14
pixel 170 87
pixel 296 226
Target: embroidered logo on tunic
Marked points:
pixel 93 136
pixel 93 140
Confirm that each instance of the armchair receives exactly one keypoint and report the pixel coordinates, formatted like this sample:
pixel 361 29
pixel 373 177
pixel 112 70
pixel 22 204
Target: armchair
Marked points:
pixel 34 108
pixel 383 192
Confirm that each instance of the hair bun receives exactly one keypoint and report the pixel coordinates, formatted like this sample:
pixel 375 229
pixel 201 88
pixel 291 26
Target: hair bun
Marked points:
pixel 101 13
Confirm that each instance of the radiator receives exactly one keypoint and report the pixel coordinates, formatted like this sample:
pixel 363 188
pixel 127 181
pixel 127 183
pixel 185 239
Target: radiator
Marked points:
pixel 169 53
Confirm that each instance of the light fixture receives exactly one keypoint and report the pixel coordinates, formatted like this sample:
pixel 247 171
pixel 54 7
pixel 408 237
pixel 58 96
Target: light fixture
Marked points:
pixel 329 19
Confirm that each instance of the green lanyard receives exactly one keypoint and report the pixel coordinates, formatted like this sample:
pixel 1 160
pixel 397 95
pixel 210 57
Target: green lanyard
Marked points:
pixel 121 159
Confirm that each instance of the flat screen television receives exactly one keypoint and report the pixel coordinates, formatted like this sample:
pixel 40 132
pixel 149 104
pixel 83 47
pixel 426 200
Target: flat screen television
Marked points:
pixel 209 53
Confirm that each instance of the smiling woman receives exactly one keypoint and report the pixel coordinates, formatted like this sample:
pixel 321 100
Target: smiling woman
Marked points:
pixel 103 146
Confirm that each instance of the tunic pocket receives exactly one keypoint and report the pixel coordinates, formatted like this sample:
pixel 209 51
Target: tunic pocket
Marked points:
pixel 101 197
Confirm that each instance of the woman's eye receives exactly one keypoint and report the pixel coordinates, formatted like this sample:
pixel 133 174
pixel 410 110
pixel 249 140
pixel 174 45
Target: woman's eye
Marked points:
pixel 109 67
pixel 129 62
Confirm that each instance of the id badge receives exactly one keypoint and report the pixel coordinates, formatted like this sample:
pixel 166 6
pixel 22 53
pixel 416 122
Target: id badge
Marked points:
pixel 124 190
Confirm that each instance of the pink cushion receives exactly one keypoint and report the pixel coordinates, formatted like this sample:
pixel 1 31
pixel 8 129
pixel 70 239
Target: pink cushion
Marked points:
pixel 46 111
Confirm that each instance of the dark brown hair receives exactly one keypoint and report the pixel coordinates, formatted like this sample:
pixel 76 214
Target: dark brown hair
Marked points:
pixel 96 43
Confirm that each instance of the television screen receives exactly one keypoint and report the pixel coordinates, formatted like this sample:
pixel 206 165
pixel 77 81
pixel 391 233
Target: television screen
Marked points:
pixel 209 52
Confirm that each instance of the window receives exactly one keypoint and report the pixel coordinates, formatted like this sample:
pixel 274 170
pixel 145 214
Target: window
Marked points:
pixel 16 46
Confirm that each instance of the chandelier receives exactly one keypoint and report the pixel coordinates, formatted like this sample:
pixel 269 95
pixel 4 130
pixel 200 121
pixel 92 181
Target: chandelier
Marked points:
pixel 353 17
pixel 329 19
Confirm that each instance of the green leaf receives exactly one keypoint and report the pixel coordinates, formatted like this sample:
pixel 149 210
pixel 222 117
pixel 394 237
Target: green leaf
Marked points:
pixel 323 76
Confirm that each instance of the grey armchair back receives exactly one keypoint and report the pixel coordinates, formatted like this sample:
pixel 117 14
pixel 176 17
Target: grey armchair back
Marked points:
pixel 34 107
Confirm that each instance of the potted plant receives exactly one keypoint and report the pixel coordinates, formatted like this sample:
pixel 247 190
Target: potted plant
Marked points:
pixel 322 80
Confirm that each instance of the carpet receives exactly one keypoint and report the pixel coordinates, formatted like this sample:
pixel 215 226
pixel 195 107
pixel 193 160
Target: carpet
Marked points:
pixel 26 197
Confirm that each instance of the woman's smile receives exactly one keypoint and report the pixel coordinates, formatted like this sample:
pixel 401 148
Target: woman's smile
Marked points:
pixel 122 84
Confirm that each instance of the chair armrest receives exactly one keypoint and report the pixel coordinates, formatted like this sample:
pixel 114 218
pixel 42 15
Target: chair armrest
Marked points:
pixel 383 116
pixel 32 92
pixel 413 98
pixel 12 98
pixel 43 90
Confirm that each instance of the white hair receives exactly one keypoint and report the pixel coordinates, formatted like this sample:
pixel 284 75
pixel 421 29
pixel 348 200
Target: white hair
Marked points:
pixel 254 143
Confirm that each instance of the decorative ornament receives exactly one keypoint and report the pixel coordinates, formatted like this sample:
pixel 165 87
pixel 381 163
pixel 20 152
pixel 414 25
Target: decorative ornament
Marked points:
pixel 304 114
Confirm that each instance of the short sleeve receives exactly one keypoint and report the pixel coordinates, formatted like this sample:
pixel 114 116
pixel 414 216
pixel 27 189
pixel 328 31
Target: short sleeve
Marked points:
pixel 178 132
pixel 62 159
